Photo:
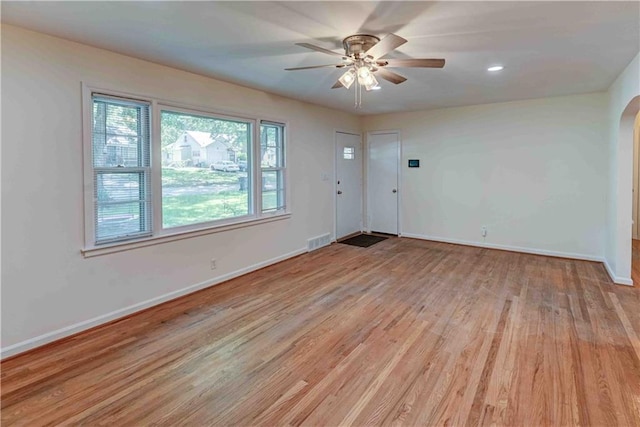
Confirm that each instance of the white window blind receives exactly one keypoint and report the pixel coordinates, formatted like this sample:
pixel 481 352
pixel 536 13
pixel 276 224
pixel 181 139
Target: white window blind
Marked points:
pixel 121 162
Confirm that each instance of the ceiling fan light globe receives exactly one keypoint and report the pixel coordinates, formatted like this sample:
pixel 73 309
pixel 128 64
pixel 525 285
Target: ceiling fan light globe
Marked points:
pixel 366 81
pixel 372 84
pixel 364 72
pixel 347 79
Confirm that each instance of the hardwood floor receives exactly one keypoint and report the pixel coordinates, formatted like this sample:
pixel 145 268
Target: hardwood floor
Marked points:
pixel 405 332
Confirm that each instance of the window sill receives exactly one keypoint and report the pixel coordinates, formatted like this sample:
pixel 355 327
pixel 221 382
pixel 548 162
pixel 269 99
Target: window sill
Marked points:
pixel 156 240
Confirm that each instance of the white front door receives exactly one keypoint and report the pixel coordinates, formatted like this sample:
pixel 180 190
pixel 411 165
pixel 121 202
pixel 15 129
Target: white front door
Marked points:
pixel 384 152
pixel 348 184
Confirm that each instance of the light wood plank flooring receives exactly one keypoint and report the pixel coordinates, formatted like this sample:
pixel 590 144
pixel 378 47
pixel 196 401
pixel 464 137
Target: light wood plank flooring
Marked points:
pixel 405 332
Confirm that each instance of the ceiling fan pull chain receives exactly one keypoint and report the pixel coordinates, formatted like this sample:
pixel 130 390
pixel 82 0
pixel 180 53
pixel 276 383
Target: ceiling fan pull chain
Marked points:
pixel 355 96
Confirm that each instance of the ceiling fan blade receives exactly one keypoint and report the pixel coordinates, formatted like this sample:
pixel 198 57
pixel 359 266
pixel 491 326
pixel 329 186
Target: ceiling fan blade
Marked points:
pixel 321 49
pixel 390 76
pixel 337 85
pixel 386 45
pixel 413 62
pixel 315 66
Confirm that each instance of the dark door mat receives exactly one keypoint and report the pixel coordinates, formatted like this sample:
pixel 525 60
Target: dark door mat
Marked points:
pixel 363 240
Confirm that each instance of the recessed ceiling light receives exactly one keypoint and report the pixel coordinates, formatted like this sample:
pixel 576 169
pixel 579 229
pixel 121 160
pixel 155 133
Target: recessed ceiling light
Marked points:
pixel 376 88
pixel 496 68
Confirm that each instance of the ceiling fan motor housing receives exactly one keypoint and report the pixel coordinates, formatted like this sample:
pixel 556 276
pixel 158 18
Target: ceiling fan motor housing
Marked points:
pixel 358 44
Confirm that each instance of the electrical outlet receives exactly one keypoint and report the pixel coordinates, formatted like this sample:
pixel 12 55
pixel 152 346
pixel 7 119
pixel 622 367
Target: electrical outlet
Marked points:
pixel 483 230
pixel 213 263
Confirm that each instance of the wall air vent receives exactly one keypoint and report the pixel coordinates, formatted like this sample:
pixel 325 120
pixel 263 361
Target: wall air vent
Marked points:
pixel 318 242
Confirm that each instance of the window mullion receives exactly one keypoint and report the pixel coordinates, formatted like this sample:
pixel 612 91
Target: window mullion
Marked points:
pixel 257 169
pixel 123 170
pixel 156 169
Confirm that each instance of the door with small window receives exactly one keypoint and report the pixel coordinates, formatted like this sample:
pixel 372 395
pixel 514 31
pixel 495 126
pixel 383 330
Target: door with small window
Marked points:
pixel 348 184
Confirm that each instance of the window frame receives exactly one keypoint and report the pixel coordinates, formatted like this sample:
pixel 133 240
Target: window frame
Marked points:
pixel 282 169
pixel 159 234
pixel 157 210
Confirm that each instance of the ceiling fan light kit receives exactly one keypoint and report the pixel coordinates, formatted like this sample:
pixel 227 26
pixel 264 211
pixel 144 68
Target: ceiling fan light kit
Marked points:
pixel 363 58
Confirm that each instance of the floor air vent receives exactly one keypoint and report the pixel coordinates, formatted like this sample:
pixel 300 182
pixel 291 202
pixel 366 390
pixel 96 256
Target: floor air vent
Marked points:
pixel 318 242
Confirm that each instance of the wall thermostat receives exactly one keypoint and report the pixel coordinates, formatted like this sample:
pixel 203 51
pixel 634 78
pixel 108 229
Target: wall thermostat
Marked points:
pixel 414 163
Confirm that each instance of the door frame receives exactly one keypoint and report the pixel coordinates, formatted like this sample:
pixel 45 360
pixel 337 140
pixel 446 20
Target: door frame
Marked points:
pixel 367 171
pixel 334 187
pixel 636 179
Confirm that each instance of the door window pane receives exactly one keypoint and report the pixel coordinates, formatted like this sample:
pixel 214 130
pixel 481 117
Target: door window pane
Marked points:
pixel 349 153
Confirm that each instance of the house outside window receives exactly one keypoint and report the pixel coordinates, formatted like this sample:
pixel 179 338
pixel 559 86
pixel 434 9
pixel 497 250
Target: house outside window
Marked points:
pixel 206 189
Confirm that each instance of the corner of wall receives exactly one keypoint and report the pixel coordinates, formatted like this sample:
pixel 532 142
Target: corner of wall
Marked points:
pixel 621 96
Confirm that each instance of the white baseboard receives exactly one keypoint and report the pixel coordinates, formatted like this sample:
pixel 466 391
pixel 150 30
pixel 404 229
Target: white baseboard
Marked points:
pixel 117 314
pixel 507 247
pixel 616 279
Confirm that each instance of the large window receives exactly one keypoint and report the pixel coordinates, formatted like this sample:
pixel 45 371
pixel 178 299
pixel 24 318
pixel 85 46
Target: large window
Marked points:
pixel 212 185
pixel 178 170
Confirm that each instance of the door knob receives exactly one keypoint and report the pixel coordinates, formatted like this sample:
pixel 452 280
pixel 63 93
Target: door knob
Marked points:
pixel 394 191
pixel 339 192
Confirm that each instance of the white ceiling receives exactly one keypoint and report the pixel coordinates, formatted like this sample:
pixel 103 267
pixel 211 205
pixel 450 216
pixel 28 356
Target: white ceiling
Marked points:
pixel 548 48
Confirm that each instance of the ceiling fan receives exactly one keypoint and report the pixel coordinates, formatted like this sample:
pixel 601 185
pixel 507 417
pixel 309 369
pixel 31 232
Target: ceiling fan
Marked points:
pixel 364 60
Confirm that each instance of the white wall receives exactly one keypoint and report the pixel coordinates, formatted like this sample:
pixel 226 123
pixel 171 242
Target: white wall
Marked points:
pixel 534 172
pixel 624 104
pixel 47 285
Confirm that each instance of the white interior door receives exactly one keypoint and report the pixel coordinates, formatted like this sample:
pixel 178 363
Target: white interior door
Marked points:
pixel 384 152
pixel 348 184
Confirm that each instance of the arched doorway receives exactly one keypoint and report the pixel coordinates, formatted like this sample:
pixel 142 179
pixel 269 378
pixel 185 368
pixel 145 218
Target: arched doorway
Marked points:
pixel 635 249
pixel 624 186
